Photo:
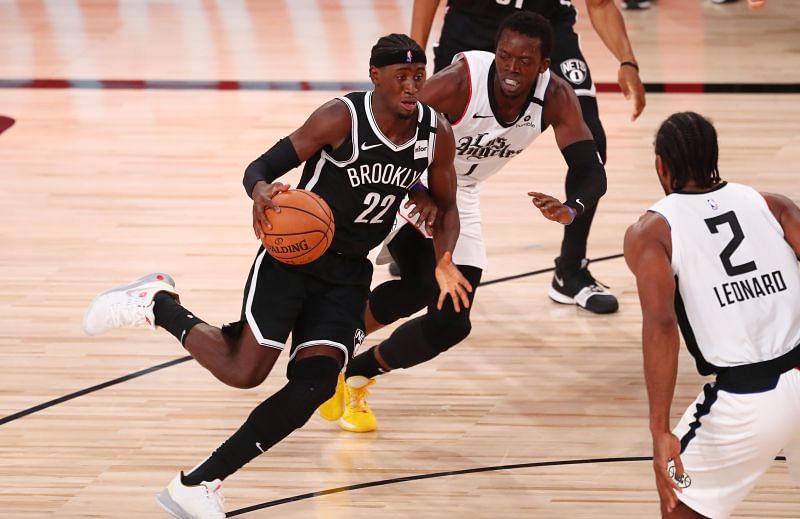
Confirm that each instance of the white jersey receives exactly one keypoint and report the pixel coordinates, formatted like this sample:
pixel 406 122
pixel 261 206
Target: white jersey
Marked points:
pixel 738 284
pixel 484 144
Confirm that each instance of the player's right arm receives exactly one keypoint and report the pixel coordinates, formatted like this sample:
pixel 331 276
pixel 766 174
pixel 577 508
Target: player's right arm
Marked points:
pixel 327 127
pixel 446 228
pixel 586 175
pixel 788 215
pixel 609 24
pixel 448 91
pixel 647 248
pixel 422 19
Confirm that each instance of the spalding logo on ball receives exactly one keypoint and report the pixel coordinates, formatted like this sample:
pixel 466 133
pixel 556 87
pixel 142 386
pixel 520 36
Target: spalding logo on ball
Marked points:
pixel 302 231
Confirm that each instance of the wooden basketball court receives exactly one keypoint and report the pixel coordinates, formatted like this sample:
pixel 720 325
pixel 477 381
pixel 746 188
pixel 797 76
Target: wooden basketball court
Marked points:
pixel 541 412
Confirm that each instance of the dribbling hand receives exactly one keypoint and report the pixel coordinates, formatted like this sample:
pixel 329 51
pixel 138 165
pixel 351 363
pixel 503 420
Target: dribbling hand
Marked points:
pixel 262 200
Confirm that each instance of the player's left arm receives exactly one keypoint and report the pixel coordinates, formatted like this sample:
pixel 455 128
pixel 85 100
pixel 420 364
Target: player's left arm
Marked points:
pixel 446 228
pixel 788 215
pixel 586 177
pixel 609 24
pixel 647 247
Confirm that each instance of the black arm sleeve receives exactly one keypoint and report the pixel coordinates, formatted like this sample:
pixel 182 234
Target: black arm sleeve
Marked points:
pixel 278 160
pixel 586 176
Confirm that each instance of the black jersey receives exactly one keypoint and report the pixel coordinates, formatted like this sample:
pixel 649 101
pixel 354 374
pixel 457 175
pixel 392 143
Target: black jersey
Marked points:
pixel 492 12
pixel 365 179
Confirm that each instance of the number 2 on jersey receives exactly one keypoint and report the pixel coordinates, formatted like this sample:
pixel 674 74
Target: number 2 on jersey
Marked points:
pixel 738 237
pixel 373 202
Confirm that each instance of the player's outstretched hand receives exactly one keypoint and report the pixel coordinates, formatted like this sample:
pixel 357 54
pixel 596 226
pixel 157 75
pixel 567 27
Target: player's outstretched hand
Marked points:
pixel 262 200
pixel 632 88
pixel 451 281
pixel 424 207
pixel 666 447
pixel 552 208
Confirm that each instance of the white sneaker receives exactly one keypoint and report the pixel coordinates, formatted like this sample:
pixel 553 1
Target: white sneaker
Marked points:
pixel 203 501
pixel 127 305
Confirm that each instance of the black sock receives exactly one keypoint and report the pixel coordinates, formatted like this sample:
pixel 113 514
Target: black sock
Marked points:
pixel 174 318
pixel 228 457
pixel 311 382
pixel 365 365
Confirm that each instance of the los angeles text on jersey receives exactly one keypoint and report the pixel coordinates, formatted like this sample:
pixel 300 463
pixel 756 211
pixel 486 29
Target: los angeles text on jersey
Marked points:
pixel 476 148
pixel 379 173
pixel 751 288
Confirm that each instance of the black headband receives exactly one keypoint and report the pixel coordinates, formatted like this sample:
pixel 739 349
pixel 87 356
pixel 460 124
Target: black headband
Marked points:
pixel 398 57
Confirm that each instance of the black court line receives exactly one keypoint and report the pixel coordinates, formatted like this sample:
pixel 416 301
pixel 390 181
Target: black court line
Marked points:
pixel 98 387
pixel 348 488
pixel 541 271
pixel 165 84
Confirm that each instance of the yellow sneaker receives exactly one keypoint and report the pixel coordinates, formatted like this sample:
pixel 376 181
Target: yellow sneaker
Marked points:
pixel 357 417
pixel 333 408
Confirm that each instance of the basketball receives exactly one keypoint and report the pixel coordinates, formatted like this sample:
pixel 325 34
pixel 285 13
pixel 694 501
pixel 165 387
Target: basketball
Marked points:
pixel 302 231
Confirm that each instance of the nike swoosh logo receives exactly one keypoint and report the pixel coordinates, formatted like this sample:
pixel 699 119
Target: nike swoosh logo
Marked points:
pixel 578 200
pixel 365 147
pixel 258 446
pixel 559 281
pixel 476 116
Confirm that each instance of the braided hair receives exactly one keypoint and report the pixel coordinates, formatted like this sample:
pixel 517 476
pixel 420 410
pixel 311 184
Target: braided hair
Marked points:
pixel 529 24
pixel 687 144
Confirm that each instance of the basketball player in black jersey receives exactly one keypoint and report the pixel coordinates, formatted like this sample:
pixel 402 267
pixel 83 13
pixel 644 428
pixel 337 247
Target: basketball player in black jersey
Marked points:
pixel 473 24
pixel 523 47
pixel 363 152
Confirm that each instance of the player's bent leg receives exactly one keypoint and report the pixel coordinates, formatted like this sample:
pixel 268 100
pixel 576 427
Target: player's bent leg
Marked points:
pixel 414 342
pixel 232 354
pixel 312 380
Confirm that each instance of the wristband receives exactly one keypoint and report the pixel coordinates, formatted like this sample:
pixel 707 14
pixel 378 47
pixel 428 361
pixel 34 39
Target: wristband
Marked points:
pixel 629 64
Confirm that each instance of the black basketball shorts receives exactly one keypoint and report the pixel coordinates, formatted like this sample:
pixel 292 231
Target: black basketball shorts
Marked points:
pixel 281 299
pixel 567 61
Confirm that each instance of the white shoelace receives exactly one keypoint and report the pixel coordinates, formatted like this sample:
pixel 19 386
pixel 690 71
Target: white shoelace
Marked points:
pixel 125 311
pixel 214 500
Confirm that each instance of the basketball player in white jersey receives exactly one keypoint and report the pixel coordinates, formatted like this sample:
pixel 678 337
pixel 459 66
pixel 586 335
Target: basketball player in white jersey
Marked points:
pixel 719 262
pixel 497 105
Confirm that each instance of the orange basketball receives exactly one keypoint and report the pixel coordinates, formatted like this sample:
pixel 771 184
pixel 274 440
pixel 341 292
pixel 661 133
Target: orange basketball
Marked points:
pixel 302 231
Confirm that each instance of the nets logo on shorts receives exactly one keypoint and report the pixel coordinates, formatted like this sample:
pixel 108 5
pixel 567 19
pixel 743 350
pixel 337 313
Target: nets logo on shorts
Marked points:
pixel 683 480
pixel 575 70
pixel 358 340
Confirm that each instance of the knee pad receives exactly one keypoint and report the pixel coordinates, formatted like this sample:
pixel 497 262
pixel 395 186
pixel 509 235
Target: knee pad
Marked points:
pixel 396 299
pixel 445 330
pixel 312 381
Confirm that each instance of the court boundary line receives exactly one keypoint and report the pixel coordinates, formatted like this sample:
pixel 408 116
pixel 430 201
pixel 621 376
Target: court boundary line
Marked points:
pixel 300 85
pixel 152 369
pixel 92 389
pixel 417 477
